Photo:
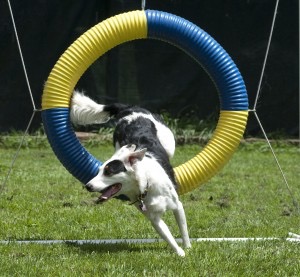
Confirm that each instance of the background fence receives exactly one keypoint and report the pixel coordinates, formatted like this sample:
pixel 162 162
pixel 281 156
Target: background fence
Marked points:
pixel 150 73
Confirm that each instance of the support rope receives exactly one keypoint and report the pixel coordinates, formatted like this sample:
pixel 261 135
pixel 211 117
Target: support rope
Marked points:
pixel 21 54
pixel 266 56
pixel 295 203
pixel 143 4
pixel 31 97
pixel 258 93
pixel 17 153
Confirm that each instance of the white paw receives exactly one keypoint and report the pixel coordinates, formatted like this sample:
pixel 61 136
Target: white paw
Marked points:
pixel 180 252
pixel 187 245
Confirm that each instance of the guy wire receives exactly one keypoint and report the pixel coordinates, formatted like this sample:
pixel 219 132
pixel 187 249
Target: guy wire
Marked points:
pixel 31 97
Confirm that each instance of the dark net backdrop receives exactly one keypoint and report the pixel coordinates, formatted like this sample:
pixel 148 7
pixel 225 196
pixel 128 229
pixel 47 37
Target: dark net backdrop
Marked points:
pixel 152 73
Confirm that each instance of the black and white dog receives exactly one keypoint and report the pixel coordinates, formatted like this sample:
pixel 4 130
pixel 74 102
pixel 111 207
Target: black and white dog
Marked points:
pixel 139 170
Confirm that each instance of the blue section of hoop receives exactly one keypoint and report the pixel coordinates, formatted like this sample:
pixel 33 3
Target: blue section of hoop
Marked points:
pixel 67 147
pixel 206 51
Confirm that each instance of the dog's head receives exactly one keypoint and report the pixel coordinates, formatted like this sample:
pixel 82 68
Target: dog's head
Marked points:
pixel 116 176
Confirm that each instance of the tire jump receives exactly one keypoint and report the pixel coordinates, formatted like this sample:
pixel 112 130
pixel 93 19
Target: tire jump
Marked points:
pixel 148 24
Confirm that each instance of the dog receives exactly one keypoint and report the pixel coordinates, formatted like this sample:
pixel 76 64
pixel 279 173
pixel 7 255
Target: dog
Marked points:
pixel 139 170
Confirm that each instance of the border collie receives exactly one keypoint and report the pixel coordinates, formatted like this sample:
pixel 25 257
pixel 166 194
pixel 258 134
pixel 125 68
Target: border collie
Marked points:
pixel 139 170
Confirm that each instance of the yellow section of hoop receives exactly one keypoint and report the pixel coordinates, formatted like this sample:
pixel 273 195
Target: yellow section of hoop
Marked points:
pixel 85 50
pixel 217 152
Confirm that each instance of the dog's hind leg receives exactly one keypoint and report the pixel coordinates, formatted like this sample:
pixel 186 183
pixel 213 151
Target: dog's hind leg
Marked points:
pixel 163 230
pixel 181 221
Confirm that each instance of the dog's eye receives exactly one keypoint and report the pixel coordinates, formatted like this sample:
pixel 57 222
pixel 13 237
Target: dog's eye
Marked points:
pixel 113 167
pixel 107 171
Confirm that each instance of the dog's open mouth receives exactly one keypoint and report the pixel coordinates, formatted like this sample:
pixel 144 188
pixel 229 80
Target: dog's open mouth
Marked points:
pixel 109 192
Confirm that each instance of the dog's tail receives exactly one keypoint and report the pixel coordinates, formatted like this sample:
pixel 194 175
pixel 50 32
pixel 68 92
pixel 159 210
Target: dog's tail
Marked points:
pixel 85 111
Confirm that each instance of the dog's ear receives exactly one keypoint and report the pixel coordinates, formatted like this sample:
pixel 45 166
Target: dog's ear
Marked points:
pixel 134 157
pixel 137 155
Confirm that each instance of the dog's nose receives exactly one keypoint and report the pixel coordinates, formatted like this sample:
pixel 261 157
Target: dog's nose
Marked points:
pixel 89 187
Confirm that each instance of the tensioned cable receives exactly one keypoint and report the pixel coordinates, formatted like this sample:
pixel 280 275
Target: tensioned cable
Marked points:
pixel 21 54
pixel 17 153
pixel 31 97
pixel 266 56
pixel 295 203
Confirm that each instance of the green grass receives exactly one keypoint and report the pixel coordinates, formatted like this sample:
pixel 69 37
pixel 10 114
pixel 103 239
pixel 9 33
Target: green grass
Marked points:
pixel 246 199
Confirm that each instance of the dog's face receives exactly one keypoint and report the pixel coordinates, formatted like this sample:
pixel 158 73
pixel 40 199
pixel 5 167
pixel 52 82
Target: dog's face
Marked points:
pixel 116 176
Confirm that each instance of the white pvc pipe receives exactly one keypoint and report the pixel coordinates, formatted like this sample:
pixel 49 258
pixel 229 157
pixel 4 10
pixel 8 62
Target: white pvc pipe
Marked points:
pixel 295 238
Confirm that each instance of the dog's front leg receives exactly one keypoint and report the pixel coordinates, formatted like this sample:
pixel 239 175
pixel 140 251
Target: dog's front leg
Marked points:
pixel 181 221
pixel 163 230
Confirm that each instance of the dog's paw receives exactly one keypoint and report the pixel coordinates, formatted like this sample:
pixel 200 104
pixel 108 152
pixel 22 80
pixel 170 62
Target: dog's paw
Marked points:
pixel 187 245
pixel 180 252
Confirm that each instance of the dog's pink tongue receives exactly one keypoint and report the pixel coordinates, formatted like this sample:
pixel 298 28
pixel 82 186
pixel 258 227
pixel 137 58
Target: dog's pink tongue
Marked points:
pixel 109 192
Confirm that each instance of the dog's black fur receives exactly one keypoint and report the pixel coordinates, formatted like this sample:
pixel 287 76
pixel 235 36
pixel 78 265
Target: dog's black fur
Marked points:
pixel 141 132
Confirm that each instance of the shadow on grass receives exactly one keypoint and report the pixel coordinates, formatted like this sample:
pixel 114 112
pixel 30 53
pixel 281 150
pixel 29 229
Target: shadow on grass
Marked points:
pixel 114 248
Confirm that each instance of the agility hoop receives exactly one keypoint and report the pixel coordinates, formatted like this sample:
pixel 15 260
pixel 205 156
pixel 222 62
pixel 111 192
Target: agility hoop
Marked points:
pixel 142 25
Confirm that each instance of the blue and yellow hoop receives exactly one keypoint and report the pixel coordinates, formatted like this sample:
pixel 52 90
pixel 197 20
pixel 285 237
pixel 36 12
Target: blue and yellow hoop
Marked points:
pixel 142 25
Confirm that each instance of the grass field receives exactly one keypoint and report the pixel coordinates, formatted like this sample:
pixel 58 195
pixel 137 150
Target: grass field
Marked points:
pixel 247 198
